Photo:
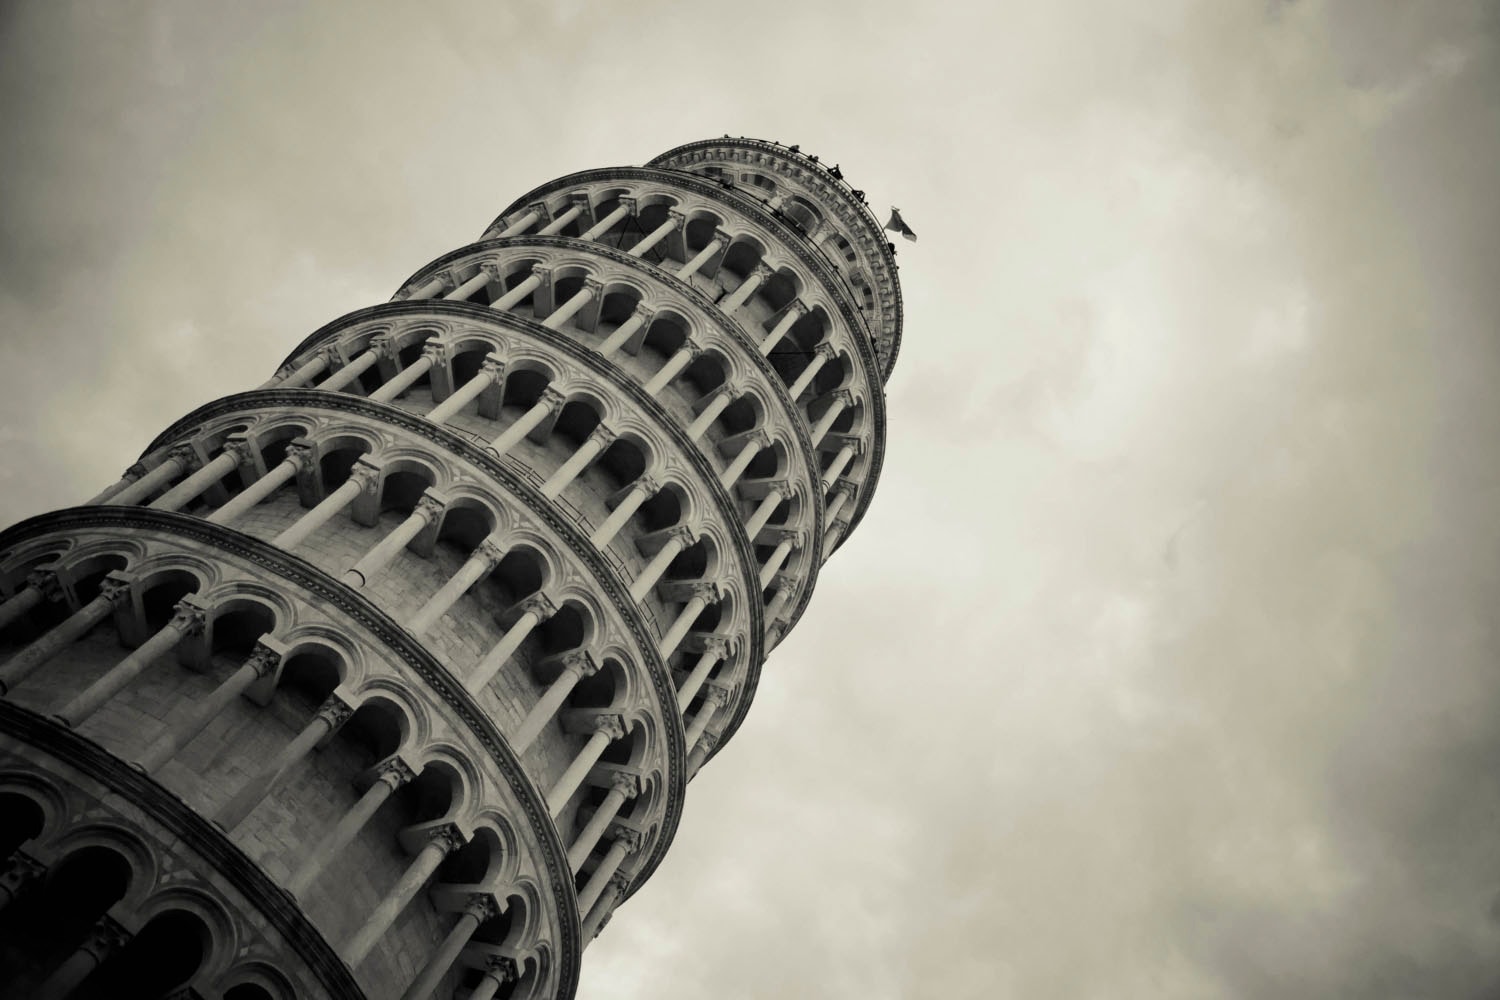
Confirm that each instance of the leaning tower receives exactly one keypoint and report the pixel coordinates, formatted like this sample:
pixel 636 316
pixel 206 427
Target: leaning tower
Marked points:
pixel 387 677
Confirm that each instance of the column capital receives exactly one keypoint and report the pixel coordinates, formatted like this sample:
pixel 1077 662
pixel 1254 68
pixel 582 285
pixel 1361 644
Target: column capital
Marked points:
pixel 384 346
pixel 706 591
pixel 447 837
pixel 619 882
pixel 189 619
pixel 187 455
pixel 429 507
pixel 46 583
pixel 394 772
pixel 241 448
pixel 541 272
pixel 720 237
pixel 645 312
pixel 581 199
pixel 627 783
pixel 648 484
pixel 481 906
pixel 629 839
pixel 263 660
pixel 709 742
pixel 445 281
pixel 490 551
pixel 844 396
pixel 799 308
pixel 759 437
pixel 538 604
pixel 630 202
pixel 135 472
pixel 489 268
pixel 845 487
pixel 612 726
pixel 723 646
pixel 603 435
pixel 552 399
pixel 676 533
pixel 716 694
pixel 335 711
pixel 492 367
pixel 691 348
pixel 114 591
pixel 436 350
pixel 580 661
pixel 834 533
pixel 825 350
pixel 540 208
pixel 796 537
pixel 675 217
pixel 104 938
pixel 300 454
pixel 19 870
pixel 502 968
pixel 760 273
pixel 366 475
pixel 592 285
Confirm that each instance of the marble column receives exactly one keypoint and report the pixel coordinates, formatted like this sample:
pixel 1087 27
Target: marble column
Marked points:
pixel 261 662
pixel 390 775
pixel 187 620
pixel 363 478
pixel 480 564
pixel 61 636
pixel 331 715
pixel 441 842
pixel 607 729
pixel 576 665
pixel 533 611
pixel 429 509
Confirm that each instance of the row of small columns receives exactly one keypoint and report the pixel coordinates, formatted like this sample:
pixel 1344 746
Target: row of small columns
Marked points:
pixel 364 477
pixel 189 620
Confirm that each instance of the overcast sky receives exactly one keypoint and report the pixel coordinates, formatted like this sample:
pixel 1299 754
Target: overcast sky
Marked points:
pixel 1165 662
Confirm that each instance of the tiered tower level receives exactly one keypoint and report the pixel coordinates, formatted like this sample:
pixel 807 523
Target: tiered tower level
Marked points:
pixel 386 678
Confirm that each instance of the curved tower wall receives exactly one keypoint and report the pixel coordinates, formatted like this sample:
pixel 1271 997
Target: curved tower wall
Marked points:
pixel 386 678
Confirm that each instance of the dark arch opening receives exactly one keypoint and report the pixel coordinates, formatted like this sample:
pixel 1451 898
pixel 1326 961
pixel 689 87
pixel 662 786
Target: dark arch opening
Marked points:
pixel 21 818
pixel 160 602
pixel 45 926
pixel 164 955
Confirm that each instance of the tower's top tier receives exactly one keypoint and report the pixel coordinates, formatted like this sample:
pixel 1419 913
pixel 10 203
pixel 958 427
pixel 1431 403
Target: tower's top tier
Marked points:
pixel 813 197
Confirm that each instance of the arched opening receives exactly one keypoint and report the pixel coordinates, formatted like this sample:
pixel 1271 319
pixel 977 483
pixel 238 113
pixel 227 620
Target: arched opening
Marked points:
pixel 159 600
pixel 621 464
pixel 662 510
pixel 39 931
pixel 519 574
pixel 164 955
pixel 400 490
pixel 248 991
pixel 566 629
pixel 21 818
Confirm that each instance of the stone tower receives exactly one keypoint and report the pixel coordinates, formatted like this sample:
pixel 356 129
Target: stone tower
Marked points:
pixel 386 678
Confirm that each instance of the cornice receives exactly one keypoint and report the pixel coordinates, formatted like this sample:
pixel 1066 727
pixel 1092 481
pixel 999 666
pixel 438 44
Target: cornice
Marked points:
pixel 412 652
pixel 195 832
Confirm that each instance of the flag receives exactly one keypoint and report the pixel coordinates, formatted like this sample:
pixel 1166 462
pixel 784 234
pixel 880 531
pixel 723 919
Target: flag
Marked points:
pixel 898 224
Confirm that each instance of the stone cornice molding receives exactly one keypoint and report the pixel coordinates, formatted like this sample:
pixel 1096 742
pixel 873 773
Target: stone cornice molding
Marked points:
pixel 199 835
